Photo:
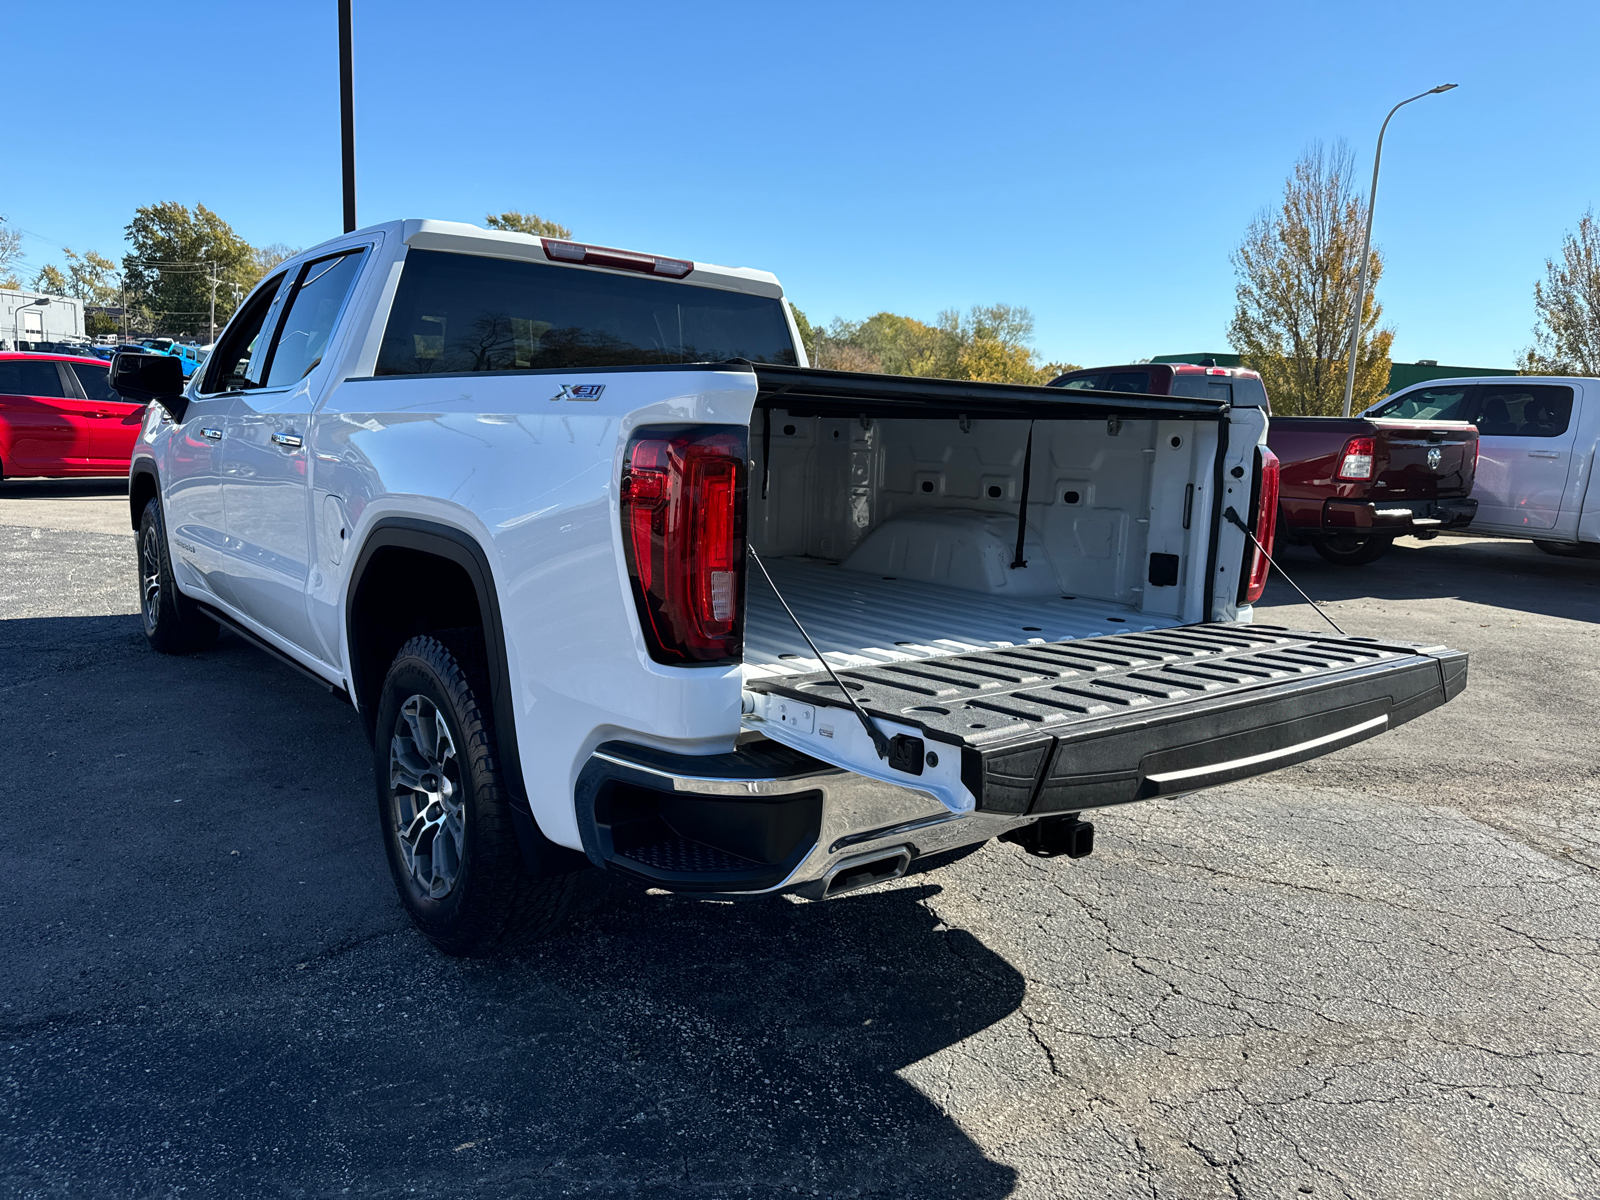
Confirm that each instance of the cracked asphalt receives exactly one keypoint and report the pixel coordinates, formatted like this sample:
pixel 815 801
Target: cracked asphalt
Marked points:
pixel 1371 976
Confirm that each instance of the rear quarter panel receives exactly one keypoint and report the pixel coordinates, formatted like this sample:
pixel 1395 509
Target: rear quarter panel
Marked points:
pixel 533 479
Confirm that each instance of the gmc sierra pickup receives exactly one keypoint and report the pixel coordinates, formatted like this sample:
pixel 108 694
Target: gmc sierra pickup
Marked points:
pixel 613 578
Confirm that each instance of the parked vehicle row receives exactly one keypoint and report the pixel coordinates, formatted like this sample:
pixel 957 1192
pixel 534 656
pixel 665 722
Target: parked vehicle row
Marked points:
pixel 551 516
pixel 1510 456
pixel 1537 444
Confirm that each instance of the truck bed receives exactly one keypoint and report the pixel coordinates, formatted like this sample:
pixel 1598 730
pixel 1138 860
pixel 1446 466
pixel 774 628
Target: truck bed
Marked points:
pixel 860 620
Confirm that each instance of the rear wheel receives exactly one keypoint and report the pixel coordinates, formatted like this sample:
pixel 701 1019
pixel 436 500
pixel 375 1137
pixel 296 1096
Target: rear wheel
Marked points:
pixel 445 811
pixel 1350 551
pixel 173 623
pixel 1569 549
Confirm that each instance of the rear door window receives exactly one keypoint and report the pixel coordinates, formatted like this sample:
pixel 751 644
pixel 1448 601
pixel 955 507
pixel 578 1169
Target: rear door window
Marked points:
pixel 1431 404
pixel 31 377
pixel 1085 383
pixel 1516 410
pixel 318 298
pixel 462 312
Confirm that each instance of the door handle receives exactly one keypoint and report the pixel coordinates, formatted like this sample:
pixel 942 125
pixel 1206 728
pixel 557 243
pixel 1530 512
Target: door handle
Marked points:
pixel 290 441
pixel 1543 454
pixel 214 434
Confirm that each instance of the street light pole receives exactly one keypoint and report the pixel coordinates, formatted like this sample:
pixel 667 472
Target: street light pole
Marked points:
pixel 1366 246
pixel 347 116
pixel 16 333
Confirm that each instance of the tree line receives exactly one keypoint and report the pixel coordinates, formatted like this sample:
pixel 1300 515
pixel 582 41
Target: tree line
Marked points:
pixel 1297 269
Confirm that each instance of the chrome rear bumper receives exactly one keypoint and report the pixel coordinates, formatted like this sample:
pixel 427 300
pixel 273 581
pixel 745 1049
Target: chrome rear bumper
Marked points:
pixel 762 819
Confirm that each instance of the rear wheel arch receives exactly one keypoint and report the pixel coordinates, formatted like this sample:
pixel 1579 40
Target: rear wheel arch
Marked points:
pixel 458 592
pixel 144 485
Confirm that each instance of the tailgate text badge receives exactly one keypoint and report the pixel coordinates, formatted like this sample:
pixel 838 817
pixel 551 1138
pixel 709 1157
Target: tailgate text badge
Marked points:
pixel 799 717
pixel 579 391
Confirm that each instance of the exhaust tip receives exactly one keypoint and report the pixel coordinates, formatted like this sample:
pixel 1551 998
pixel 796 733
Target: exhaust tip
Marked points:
pixel 865 871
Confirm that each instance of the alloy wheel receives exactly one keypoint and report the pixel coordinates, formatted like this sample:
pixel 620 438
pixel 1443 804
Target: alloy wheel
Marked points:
pixel 426 797
pixel 150 576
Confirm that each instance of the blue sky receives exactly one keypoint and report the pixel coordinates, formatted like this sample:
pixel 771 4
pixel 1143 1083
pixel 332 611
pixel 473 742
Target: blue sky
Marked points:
pixel 1095 162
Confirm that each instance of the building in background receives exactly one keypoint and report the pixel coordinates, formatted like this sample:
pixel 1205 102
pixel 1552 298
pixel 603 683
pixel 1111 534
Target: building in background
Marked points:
pixel 25 322
pixel 1401 375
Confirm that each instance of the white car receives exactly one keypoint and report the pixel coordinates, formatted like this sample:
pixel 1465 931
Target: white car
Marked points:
pixel 551 516
pixel 1537 442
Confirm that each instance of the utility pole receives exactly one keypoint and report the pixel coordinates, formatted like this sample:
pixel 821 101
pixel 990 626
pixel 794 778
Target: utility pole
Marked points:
pixel 347 116
pixel 212 339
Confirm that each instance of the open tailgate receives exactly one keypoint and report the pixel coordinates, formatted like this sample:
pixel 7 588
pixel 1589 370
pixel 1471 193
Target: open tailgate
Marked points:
pixel 1064 726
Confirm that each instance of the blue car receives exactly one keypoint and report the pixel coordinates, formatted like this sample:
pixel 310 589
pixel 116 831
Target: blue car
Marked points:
pixel 189 355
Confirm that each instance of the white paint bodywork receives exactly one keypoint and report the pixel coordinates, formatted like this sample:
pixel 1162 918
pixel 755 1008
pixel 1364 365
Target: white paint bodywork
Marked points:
pixel 1535 487
pixel 269 535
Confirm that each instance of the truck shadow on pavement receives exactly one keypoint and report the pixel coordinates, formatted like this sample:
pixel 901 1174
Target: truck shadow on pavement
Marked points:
pixel 1502 573
pixel 211 986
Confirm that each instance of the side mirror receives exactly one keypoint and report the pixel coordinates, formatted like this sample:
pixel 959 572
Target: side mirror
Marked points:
pixel 143 378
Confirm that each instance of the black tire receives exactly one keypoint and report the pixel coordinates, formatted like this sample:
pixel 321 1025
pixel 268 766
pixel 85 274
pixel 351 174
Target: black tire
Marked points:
pixel 459 869
pixel 1569 549
pixel 1349 551
pixel 173 623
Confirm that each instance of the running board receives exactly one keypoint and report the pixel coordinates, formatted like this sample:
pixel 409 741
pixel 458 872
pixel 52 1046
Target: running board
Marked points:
pixel 1065 726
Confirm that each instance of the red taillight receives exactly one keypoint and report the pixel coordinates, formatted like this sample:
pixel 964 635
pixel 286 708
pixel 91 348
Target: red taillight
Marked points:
pixel 1356 461
pixel 683 497
pixel 1264 523
pixel 606 256
pixel 1216 370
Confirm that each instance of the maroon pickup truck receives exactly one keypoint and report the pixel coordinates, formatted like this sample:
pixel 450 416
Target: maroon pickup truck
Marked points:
pixel 1348 485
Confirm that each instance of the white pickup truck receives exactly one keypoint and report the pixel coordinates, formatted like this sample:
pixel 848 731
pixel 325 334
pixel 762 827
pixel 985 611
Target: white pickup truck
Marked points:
pixel 1538 439
pixel 551 516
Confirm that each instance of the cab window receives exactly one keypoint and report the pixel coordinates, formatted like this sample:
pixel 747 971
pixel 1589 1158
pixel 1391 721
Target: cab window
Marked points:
pixel 229 367
pixel 1429 404
pixel 1518 410
pixel 303 334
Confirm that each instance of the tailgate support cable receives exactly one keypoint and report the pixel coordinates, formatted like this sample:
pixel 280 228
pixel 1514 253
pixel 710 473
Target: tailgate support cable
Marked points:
pixel 1022 509
pixel 880 743
pixel 1235 519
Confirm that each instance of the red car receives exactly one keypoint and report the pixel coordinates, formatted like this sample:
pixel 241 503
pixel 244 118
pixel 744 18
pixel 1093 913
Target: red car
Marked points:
pixel 59 417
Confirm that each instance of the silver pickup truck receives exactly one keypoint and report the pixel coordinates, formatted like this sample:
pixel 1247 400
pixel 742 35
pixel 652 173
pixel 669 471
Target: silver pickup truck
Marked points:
pixel 615 579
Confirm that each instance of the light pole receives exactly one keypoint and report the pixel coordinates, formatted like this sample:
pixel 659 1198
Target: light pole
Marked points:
pixel 347 116
pixel 1366 247
pixel 16 333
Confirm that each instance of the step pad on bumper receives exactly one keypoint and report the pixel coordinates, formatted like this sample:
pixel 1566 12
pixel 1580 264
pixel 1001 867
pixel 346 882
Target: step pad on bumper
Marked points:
pixel 1081 724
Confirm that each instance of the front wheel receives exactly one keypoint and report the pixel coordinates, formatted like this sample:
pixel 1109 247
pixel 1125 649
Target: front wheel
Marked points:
pixel 1569 549
pixel 1349 551
pixel 445 811
pixel 173 623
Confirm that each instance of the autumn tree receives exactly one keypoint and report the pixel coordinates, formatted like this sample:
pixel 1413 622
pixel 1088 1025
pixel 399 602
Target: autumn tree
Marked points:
pixel 1298 270
pixel 988 342
pixel 268 257
pixel 10 255
pixel 50 281
pixel 176 254
pixel 1567 336
pixel 520 222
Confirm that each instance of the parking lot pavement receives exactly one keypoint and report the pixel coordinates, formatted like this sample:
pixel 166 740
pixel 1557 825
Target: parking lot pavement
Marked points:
pixel 1371 976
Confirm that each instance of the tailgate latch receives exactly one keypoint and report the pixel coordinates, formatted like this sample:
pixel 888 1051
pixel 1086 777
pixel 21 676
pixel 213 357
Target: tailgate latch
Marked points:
pixel 905 753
